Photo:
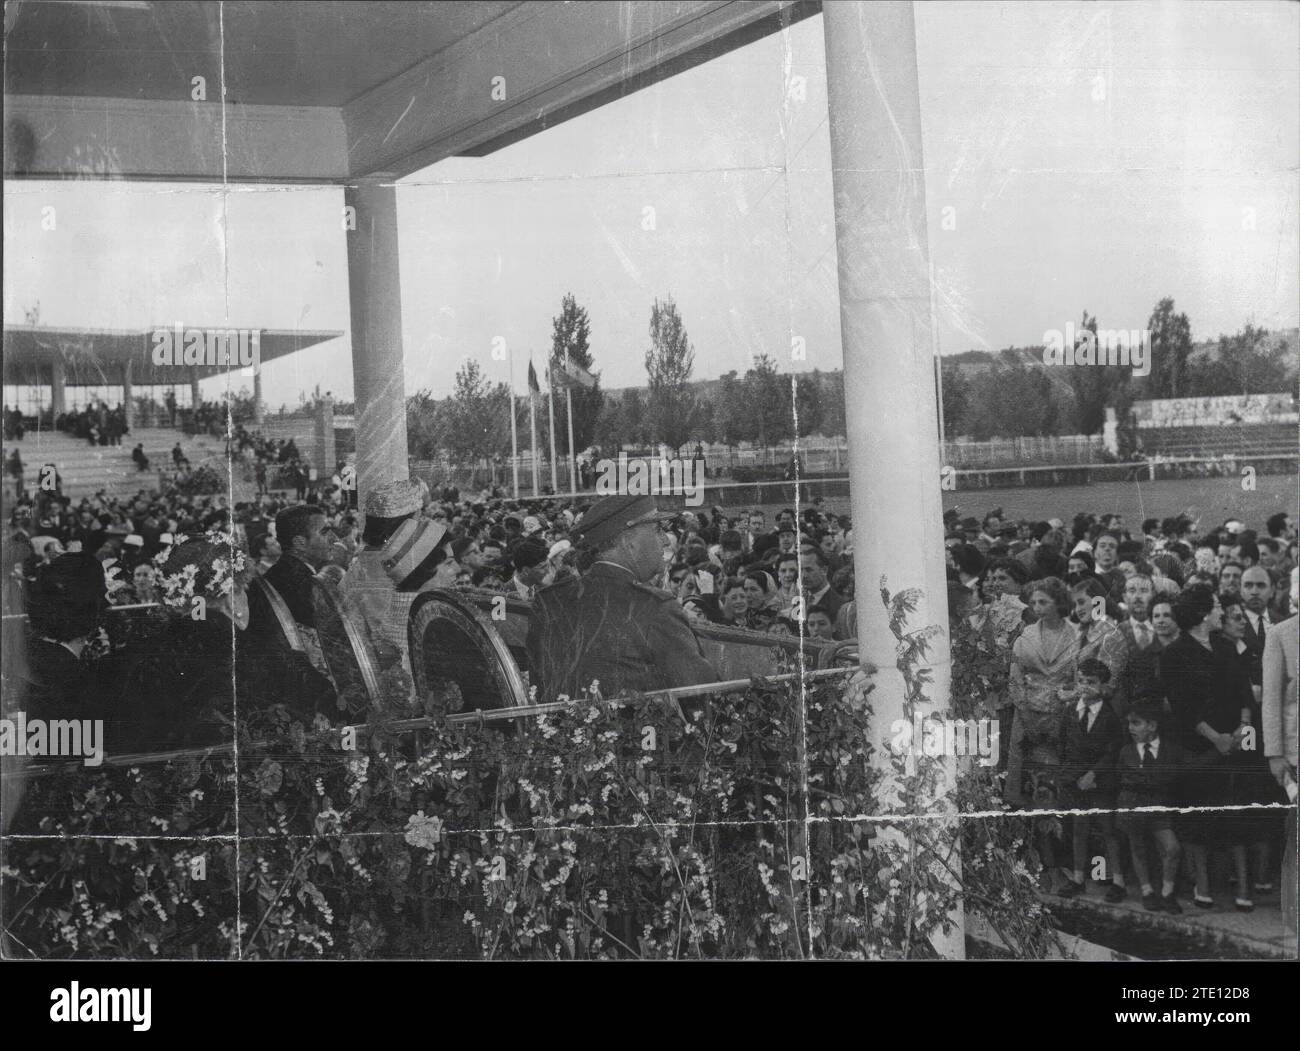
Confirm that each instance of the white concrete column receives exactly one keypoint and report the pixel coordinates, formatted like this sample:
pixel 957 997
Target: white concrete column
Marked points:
pixel 128 409
pixel 58 387
pixel 257 394
pixel 323 451
pixel 195 395
pixel 377 360
pixel 889 388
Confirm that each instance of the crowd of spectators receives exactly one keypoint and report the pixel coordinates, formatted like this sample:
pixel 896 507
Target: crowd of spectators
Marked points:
pixel 97 424
pixel 1136 674
pixel 1134 657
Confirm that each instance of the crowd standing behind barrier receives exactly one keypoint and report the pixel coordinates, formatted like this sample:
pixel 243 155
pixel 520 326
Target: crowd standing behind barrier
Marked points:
pixel 1161 623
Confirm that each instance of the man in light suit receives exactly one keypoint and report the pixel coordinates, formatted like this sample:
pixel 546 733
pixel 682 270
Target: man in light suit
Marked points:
pixel 1281 728
pixel 1139 594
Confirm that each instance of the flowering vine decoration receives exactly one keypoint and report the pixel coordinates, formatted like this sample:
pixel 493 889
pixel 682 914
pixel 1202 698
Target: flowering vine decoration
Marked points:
pixel 178 589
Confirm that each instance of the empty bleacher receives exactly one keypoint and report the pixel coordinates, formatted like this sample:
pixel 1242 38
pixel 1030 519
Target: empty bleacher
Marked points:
pixel 1226 440
pixel 86 469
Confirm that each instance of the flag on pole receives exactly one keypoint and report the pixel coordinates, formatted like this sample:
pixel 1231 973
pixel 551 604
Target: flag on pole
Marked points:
pixel 533 385
pixel 570 374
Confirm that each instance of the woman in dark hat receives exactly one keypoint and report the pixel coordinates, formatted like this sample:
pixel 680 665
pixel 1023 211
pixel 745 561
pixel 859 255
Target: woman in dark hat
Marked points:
pixel 64 606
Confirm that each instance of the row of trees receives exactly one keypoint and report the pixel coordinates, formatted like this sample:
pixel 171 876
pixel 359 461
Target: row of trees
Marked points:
pixel 759 406
pixel 1008 394
pixel 1013 394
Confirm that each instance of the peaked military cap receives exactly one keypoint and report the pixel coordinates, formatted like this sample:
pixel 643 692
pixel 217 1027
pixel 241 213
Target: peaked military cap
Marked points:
pixel 611 515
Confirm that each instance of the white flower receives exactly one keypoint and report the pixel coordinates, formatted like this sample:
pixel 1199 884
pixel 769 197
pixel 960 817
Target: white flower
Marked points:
pixel 422 831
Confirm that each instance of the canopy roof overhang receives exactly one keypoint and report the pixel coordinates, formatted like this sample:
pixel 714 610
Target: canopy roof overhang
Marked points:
pixel 330 92
pixel 97 356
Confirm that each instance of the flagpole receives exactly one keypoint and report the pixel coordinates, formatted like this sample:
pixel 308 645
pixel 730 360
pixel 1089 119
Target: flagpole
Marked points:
pixel 514 428
pixel 532 430
pixel 550 409
pixel 568 407
pixel 573 460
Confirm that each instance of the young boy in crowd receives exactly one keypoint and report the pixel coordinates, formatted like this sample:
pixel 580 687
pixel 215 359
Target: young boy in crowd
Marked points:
pixel 1149 769
pixel 820 623
pixel 1091 738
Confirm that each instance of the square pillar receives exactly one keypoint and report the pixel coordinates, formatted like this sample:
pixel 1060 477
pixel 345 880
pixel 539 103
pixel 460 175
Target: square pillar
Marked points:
pixel 58 387
pixel 128 408
pixel 323 454
pixel 370 222
pixel 257 394
pixel 878 174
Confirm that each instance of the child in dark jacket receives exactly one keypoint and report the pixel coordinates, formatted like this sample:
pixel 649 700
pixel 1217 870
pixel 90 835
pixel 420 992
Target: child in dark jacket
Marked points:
pixel 1091 736
pixel 1149 770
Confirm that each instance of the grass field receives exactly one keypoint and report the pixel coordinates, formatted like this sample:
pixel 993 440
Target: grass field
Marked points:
pixel 1212 499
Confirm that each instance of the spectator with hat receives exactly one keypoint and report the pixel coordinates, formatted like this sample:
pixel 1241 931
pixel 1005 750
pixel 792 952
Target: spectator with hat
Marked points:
pixel 530 558
pixel 67 599
pixel 367 583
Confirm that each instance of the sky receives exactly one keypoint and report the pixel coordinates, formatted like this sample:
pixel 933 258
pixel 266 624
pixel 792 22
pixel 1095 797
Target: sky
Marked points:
pixel 1078 156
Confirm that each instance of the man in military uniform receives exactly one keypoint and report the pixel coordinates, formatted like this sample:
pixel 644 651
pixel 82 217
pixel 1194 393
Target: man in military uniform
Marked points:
pixel 610 625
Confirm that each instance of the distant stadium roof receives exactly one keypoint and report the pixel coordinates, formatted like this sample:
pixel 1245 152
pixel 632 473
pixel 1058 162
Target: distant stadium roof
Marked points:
pixel 94 356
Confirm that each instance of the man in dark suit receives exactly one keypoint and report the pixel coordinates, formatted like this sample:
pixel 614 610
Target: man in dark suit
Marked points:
pixel 304 548
pixel 1140 675
pixel 611 625
pixel 1091 737
pixel 755 533
pixel 1149 770
pixel 767 543
pixel 816 586
pixel 1257 600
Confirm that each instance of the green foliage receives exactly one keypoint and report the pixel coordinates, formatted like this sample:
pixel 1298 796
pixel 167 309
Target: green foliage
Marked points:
pixel 599 832
pixel 1249 362
pixel 1094 388
pixel 473 424
pixel 1012 394
pixel 566 837
pixel 995 878
pixel 425 426
pixel 622 422
pixel 1011 399
pixel 808 403
pixel 832 422
pixel 768 401
pixel 1171 345
pixel 571 333
pixel 669 362
pixel 478 416
pixel 732 421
